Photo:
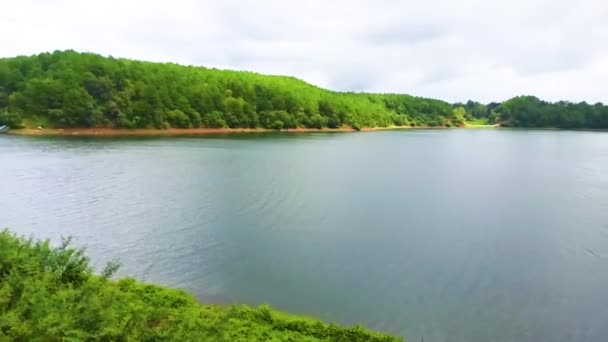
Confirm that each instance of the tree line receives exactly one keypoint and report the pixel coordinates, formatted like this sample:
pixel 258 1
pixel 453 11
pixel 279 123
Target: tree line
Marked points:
pixel 529 111
pixel 532 112
pixel 70 89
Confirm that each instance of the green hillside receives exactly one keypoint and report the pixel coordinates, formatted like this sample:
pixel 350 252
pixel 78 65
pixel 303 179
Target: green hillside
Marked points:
pixel 71 89
pixel 67 89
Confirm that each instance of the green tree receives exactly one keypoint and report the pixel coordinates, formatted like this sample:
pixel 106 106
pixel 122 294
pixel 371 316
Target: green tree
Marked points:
pixel 178 119
pixel 78 109
pixel 11 119
pixel 214 119
pixel 459 115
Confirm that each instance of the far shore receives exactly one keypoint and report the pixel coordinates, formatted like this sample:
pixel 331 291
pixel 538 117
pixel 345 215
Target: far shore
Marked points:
pixel 86 132
pixel 90 132
pixel 156 132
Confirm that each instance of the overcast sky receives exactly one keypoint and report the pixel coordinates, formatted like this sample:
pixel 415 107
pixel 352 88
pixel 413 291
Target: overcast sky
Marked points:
pixel 454 50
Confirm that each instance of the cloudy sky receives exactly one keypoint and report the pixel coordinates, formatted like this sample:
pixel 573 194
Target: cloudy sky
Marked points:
pixel 454 50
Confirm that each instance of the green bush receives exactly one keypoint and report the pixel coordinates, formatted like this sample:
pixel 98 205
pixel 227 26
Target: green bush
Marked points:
pixel 195 118
pixel 214 120
pixel 178 119
pixel 11 119
pixel 51 294
pixel 278 124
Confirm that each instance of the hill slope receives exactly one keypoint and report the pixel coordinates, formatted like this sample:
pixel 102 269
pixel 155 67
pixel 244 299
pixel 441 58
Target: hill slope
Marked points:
pixel 69 89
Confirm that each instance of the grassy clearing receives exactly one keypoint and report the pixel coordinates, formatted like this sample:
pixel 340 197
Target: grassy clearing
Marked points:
pixel 479 123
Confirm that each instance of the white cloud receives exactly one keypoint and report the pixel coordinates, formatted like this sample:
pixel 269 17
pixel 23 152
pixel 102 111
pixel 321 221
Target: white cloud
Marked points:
pixel 483 50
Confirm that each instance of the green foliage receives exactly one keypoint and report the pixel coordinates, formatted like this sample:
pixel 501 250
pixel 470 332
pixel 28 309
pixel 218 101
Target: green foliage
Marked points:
pixel 475 110
pixel 478 122
pixel 51 294
pixel 70 89
pixel 530 111
pixel 459 114
pixel 77 109
pixel 318 121
pixel 179 119
pixel 214 119
pixel 73 89
pixel 10 119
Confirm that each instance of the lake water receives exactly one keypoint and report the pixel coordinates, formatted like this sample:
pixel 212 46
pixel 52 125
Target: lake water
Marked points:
pixel 450 235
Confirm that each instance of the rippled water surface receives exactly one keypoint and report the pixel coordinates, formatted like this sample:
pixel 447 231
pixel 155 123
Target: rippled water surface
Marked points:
pixel 463 235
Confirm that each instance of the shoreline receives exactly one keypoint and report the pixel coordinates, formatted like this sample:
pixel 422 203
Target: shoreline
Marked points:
pixel 114 132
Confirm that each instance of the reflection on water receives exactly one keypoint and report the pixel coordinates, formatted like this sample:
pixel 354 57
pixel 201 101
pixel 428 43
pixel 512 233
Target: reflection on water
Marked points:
pixel 463 235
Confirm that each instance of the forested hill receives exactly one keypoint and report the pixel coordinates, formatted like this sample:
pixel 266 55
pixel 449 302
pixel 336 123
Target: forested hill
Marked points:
pixel 71 89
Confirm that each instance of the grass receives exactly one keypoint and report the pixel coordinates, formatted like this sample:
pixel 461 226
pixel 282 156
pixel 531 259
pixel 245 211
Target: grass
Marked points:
pixel 479 123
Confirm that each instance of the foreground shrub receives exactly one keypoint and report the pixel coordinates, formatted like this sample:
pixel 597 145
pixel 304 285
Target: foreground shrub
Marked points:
pixel 51 294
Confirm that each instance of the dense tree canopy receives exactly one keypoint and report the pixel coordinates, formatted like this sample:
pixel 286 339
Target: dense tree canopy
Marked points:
pixel 529 111
pixel 51 294
pixel 71 89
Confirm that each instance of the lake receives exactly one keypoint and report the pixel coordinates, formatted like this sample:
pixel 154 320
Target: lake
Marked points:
pixel 450 235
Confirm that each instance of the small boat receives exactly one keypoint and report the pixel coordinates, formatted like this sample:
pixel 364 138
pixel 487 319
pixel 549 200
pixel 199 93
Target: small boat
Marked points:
pixel 4 129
